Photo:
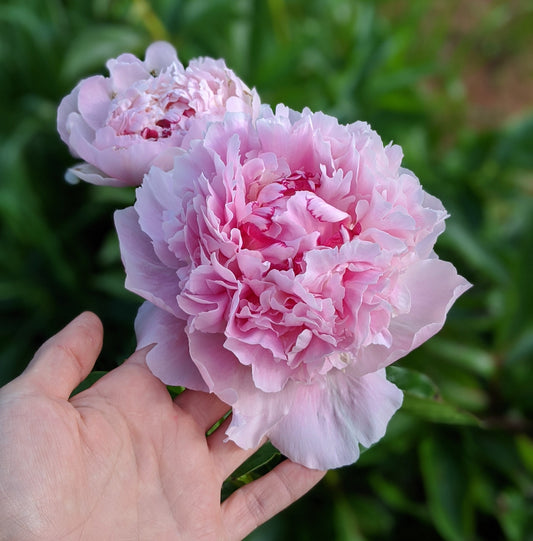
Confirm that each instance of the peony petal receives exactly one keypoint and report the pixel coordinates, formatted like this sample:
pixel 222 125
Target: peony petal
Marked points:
pixel 124 162
pixel 154 197
pixel 329 419
pixel 145 274
pixel 89 173
pixel 223 374
pixel 159 56
pixel 254 413
pixel 324 212
pixel 434 286
pixel 94 100
pixel 268 373
pixel 68 105
pixel 125 71
pixel 207 297
pixel 169 359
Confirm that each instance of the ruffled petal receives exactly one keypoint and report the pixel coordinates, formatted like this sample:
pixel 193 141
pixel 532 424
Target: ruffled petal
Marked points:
pixel 154 197
pixel 169 359
pixel 125 70
pixel 123 163
pixel 161 55
pixel 433 286
pixel 328 420
pixel 145 274
pixel 218 366
pixel 87 172
pixel 125 157
pixel 68 105
pixel 94 100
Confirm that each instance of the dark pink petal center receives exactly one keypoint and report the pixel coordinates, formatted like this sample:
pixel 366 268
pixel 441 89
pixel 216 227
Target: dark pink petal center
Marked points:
pixel 153 110
pixel 299 181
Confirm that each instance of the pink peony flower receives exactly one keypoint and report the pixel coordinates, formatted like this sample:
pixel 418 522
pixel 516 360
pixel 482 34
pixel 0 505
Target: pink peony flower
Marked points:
pixel 144 111
pixel 286 263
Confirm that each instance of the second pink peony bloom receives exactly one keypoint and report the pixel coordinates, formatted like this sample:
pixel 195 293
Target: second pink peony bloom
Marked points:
pixel 144 112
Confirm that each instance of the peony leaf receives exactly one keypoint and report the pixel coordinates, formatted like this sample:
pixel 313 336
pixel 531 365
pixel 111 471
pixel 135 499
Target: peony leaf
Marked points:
pixel 514 514
pixel 437 411
pixel 524 445
pixel 266 458
pixel 89 50
pixel 391 494
pixel 174 390
pixel 264 455
pixel 422 398
pixel 411 381
pixel 476 253
pixel 467 357
pixel 448 487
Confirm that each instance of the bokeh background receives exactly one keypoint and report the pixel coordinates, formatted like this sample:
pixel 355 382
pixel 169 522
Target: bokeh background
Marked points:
pixel 448 80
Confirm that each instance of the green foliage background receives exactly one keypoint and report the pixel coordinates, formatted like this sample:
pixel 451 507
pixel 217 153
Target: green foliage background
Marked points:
pixel 449 81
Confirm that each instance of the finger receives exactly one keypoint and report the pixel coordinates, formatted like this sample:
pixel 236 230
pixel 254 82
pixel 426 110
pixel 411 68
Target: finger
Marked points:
pixel 66 359
pixel 227 455
pixel 255 503
pixel 205 408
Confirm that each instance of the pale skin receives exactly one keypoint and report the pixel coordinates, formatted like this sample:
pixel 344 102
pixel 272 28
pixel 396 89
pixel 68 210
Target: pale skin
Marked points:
pixel 122 460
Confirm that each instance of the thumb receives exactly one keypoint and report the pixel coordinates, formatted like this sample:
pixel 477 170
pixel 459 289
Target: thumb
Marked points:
pixel 66 359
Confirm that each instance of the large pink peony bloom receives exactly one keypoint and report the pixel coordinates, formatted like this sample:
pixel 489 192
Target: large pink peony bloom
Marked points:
pixel 287 262
pixel 140 114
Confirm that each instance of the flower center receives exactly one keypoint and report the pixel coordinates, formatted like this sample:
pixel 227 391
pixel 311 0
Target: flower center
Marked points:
pixel 152 109
pixel 299 181
pixel 342 235
pixel 288 217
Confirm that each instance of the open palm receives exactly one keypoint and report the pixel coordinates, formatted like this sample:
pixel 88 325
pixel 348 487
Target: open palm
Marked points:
pixel 122 460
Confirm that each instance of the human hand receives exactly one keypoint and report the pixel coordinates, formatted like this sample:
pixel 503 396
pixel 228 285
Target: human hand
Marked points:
pixel 122 460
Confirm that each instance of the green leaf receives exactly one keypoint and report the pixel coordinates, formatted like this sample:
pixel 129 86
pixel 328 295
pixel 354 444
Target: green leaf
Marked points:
pixel 260 458
pixel 175 390
pixel 422 398
pixel 395 497
pixel 515 515
pixel 261 462
pixel 346 524
pixel 468 357
pixel 524 445
pixel 412 381
pixel 475 252
pixel 90 49
pixel 515 144
pixel 437 411
pixel 446 482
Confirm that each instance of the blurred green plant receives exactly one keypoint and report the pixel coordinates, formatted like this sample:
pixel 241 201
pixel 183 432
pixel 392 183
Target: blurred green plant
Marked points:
pixel 457 461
